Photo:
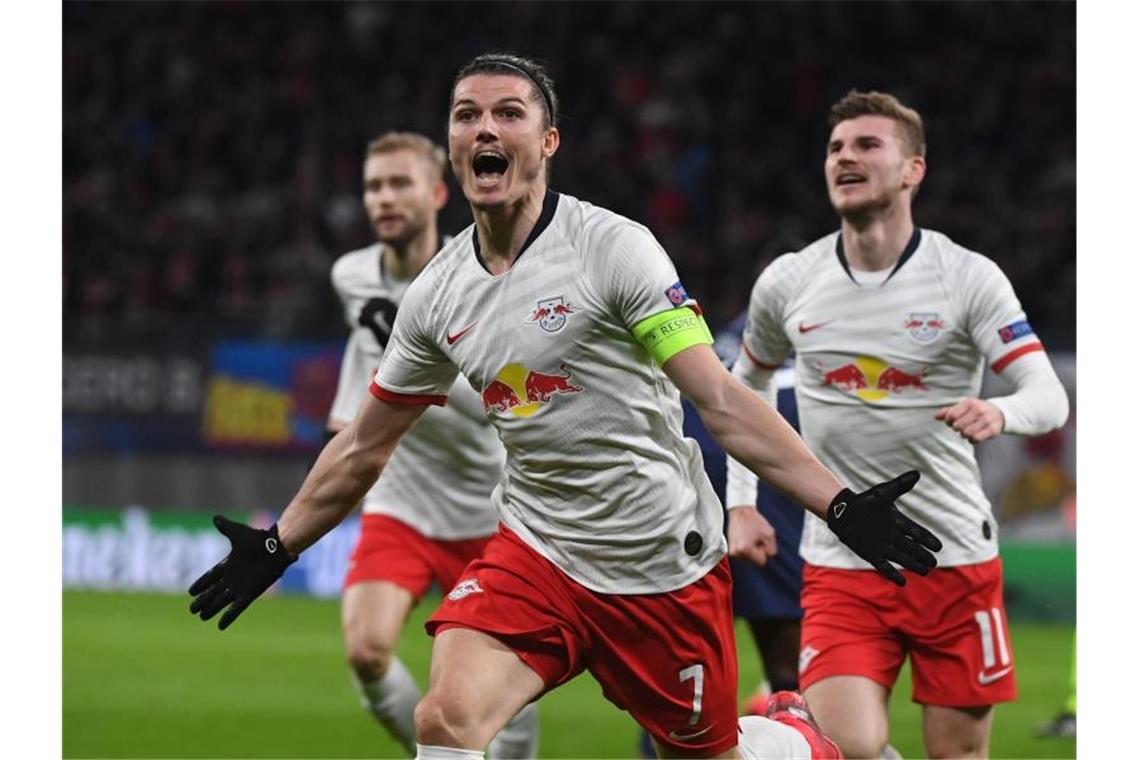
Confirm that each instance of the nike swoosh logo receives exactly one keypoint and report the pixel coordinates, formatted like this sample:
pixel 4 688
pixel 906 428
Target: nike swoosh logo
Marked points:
pixel 686 737
pixel 985 678
pixel 808 328
pixel 452 338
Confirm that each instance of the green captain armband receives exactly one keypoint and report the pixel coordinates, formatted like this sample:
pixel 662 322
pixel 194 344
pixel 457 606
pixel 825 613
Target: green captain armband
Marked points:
pixel 666 334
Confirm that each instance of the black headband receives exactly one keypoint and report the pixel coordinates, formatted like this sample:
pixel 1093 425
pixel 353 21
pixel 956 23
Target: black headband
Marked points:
pixel 525 73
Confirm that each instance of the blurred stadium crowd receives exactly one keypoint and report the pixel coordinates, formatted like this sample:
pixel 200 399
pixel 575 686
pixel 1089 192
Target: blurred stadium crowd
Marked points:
pixel 212 151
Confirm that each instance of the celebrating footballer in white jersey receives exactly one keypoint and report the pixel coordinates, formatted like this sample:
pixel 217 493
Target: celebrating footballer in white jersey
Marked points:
pixel 891 326
pixel 571 322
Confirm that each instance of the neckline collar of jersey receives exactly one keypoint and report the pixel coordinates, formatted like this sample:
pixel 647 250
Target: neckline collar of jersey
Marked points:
pixel 549 206
pixel 911 247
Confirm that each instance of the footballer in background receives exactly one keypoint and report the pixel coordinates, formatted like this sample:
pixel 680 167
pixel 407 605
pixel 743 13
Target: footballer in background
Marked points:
pixel 892 326
pixel 430 513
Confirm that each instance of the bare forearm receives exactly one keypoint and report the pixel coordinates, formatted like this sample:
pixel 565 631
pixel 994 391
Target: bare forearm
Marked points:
pixel 755 434
pixel 340 478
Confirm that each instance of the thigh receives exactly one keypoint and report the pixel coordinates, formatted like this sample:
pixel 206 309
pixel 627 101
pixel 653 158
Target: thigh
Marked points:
pixel 957 732
pixel 670 660
pixel 373 613
pixel 846 630
pixel 965 659
pixel 517 597
pixel 482 677
pixel 388 550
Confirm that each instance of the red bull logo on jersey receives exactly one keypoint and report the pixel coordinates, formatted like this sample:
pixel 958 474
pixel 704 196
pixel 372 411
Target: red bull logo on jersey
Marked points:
pixel 522 391
pixel 872 379
pixel 551 314
pixel 924 326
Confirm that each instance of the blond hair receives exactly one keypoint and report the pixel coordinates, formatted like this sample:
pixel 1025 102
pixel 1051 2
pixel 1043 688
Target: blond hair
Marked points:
pixel 856 103
pixel 389 142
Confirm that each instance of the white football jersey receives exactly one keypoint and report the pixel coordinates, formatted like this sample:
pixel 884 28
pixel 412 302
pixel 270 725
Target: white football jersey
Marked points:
pixel 600 479
pixel 440 478
pixel 877 354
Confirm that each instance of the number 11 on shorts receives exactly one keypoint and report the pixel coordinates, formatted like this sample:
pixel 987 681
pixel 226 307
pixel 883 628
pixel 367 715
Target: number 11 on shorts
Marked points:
pixel 697 673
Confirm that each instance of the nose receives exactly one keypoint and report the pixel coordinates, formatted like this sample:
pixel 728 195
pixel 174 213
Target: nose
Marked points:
pixel 845 155
pixel 487 128
pixel 386 195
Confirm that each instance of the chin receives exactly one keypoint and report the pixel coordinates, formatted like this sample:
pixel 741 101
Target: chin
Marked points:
pixel 851 207
pixel 483 199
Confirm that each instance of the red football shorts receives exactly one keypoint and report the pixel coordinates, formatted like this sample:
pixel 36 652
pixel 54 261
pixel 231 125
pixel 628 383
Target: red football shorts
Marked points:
pixel 389 550
pixel 952 624
pixel 669 658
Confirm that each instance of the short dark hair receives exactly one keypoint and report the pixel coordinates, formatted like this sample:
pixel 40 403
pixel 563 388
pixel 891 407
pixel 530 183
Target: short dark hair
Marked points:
pixel 515 65
pixel 856 103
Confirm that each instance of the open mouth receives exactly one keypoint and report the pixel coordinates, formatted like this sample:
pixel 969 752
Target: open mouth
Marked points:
pixel 489 166
pixel 849 179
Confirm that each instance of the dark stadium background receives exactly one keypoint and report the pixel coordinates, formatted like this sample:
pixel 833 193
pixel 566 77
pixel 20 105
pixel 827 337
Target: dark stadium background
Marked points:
pixel 211 175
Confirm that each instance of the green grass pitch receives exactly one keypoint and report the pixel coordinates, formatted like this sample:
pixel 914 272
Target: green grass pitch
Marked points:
pixel 142 678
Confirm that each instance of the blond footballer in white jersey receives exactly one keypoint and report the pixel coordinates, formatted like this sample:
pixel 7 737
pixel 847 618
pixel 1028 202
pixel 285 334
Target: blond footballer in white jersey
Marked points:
pixel 578 352
pixel 441 477
pixel 892 326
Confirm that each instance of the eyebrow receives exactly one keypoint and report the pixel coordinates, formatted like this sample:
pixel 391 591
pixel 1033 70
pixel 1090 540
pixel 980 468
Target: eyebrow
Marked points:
pixel 501 102
pixel 855 139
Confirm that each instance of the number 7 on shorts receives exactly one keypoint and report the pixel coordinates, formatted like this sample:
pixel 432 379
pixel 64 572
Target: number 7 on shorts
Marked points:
pixel 697 673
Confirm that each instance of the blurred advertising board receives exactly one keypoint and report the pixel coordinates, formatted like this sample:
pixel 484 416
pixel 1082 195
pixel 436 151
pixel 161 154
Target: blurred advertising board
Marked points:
pixel 139 550
pixel 272 396
pixel 252 395
pixel 126 401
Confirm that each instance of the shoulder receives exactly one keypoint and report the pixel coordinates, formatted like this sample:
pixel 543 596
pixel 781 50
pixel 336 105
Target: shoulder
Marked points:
pixel 443 270
pixel 456 250
pixel 356 266
pixel 595 230
pixel 958 263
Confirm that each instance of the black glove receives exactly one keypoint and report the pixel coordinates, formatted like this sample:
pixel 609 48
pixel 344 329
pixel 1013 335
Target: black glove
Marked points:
pixel 256 559
pixel 874 528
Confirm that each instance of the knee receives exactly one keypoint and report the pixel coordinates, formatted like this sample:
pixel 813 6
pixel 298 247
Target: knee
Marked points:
pixel 448 723
pixel 868 743
pixel 369 659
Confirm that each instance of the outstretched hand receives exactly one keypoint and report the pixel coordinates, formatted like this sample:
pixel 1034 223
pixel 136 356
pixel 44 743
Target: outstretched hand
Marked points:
pixel 872 526
pixel 257 558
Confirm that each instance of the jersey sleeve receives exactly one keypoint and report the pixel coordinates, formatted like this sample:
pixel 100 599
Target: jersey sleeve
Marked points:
pixel 414 370
pixel 339 276
pixel 634 275
pixel 765 343
pixel 994 317
pixel 352 383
